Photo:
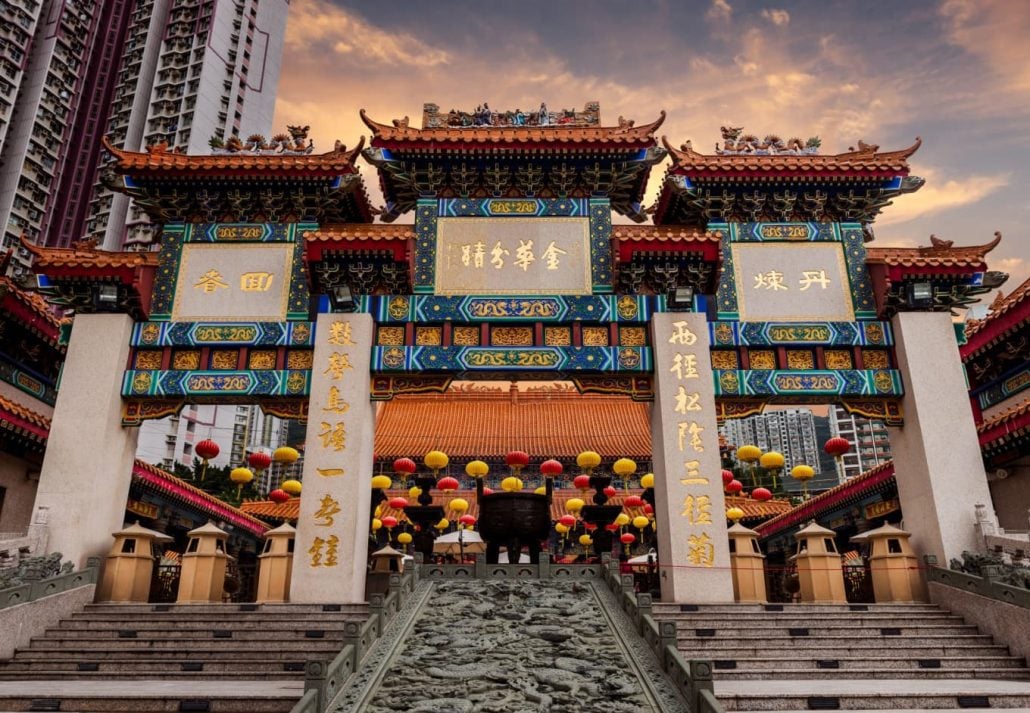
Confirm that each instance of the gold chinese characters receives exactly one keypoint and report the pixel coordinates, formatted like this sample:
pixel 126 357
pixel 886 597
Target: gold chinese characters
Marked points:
pixel 773 280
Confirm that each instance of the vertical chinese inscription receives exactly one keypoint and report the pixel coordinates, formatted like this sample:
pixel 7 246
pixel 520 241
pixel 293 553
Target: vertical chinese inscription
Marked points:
pixel 332 524
pixel 689 499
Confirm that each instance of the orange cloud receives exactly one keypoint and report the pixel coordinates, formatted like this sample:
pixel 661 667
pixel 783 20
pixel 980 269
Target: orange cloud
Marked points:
pixel 995 31
pixel 939 195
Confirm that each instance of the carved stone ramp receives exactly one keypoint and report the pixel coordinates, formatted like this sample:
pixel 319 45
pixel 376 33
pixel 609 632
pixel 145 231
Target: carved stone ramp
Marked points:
pixel 511 646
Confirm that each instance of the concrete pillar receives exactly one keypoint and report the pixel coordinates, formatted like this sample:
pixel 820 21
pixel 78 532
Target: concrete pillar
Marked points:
pixel 332 529
pixel 84 482
pixel 275 565
pixel 937 462
pixel 693 548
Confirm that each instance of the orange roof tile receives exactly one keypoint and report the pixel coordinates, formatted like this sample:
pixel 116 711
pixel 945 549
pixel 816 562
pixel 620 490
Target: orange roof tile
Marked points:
pixel 939 254
pixel 665 233
pixel 24 419
pixel 290 510
pixel 866 159
pixel 555 134
pixel 194 496
pixel 34 301
pixel 360 232
pixel 155 159
pixel 1002 305
pixel 488 424
pixel 1010 414
pixel 85 254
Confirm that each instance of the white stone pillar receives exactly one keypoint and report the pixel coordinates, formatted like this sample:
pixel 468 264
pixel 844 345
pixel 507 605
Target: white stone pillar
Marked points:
pixel 937 462
pixel 693 546
pixel 84 482
pixel 332 528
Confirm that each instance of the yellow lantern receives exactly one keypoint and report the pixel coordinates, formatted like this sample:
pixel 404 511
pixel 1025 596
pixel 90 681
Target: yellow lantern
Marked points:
pixel 459 505
pixel 443 524
pixel 376 524
pixel 647 481
pixel 804 473
pixel 734 514
pixel 510 484
pixel 640 522
pixel 586 540
pixel 381 482
pixel 414 491
pixel 574 504
pixel 404 538
pixel 588 460
pixel 749 454
pixel 540 491
pixel 293 487
pixel 476 469
pixel 285 454
pixel 622 519
pixel 436 460
pixel 518 481
pixel 241 476
pixel 378 512
pixel 624 467
pixel 562 529
pixel 771 460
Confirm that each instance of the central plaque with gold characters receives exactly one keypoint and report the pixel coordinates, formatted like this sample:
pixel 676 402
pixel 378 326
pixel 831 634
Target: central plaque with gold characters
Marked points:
pixel 792 282
pixel 504 256
pixel 229 282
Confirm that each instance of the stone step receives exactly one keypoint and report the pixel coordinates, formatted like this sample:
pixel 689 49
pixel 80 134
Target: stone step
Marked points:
pixel 226 630
pixel 805 620
pixel 660 608
pixel 134 645
pixel 193 653
pixel 227 609
pixel 241 620
pixel 689 640
pixel 885 674
pixel 831 665
pixel 127 674
pixel 730 650
pixel 818 628
pixel 876 694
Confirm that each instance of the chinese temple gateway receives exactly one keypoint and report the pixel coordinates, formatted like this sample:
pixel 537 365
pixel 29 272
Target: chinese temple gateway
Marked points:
pixel 756 283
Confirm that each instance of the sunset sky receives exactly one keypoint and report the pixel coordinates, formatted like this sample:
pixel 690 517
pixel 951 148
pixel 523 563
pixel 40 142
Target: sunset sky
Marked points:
pixel 956 73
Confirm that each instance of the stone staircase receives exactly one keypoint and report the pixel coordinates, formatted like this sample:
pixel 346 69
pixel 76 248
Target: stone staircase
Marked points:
pixel 152 657
pixel 848 657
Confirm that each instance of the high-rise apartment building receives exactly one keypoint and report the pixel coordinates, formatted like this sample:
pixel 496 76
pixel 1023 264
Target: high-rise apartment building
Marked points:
pixel 143 71
pixel 192 70
pixel 869 442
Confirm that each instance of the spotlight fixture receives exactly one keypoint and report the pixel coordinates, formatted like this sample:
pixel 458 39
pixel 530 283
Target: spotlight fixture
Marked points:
pixel 681 298
pixel 341 298
pixel 105 298
pixel 919 295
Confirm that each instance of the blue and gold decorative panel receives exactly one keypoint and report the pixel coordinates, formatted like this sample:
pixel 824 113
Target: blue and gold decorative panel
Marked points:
pixel 1004 388
pixel 428 213
pixel 542 308
pixel 849 235
pixel 177 237
pixel 42 389
pixel 733 334
pixel 408 359
pixel 772 383
pixel 189 334
pixel 187 383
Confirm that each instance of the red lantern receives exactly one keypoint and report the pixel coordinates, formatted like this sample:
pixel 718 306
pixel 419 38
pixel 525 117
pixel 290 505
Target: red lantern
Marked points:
pixel 567 520
pixel 398 503
pixel 278 496
pixel 488 491
pixel 589 526
pixel 648 510
pixel 259 460
pixel 551 468
pixel 627 538
pixel 389 522
pixel 207 449
pixel 582 482
pixel 447 484
pixel 761 494
pixel 727 476
pixel 612 527
pixel 404 466
pixel 734 486
pixel 633 501
pixel 517 459
pixel 610 491
pixel 467 520
pixel 837 446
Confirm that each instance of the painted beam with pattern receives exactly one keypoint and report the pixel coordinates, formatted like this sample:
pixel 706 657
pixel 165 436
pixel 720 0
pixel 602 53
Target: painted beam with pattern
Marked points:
pixel 554 308
pixel 240 334
pixel 188 383
pixel 595 359
pixel 841 382
pixel 767 334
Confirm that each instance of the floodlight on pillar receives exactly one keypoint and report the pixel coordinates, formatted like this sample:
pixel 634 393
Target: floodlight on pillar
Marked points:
pixel 105 297
pixel 681 298
pixel 341 298
pixel 919 295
